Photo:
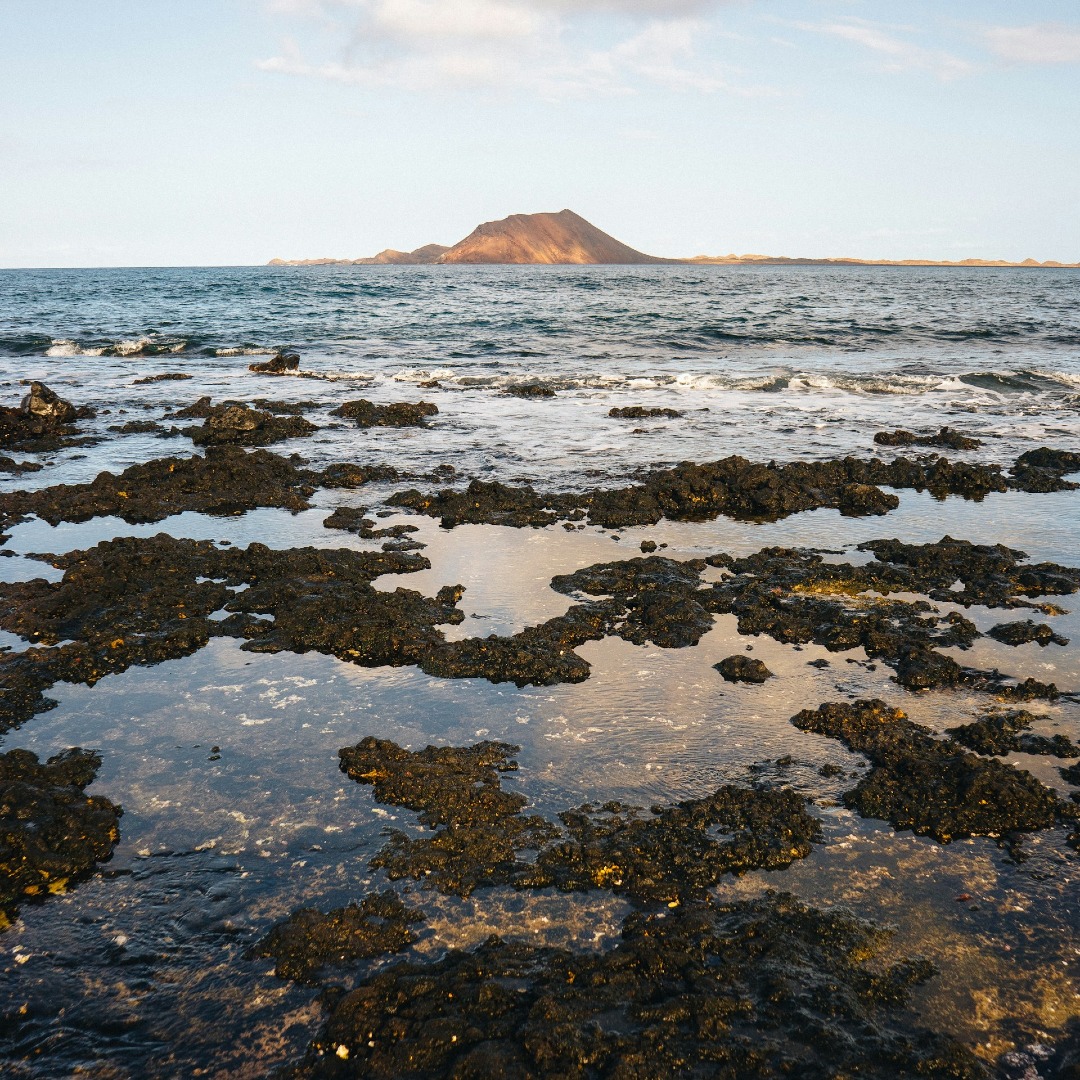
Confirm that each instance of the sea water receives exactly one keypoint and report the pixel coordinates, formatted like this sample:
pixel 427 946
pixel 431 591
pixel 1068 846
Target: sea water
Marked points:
pixel 143 969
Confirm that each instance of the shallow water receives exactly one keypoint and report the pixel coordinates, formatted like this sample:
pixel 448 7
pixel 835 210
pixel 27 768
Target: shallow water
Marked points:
pixel 145 963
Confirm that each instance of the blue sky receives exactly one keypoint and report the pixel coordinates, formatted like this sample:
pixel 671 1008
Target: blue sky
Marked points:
pixel 155 132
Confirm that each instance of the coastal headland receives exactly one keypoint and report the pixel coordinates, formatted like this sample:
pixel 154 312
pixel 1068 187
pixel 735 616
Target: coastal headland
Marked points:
pixel 567 238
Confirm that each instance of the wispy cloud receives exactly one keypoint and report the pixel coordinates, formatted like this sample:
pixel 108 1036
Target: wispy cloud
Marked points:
pixel 1040 43
pixel 895 49
pixel 538 46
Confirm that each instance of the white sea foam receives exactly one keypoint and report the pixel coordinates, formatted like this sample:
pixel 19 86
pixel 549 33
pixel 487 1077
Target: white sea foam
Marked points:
pixel 66 347
pixel 246 350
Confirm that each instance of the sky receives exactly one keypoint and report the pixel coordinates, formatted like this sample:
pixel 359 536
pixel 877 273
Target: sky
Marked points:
pixel 199 132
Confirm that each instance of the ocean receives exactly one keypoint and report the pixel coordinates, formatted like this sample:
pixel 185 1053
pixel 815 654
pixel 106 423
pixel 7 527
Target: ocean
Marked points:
pixel 225 759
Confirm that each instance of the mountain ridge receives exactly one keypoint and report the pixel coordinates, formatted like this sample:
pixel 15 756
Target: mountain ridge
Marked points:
pixel 566 238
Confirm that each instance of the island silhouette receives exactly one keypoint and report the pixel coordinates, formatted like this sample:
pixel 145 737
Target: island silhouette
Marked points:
pixel 567 238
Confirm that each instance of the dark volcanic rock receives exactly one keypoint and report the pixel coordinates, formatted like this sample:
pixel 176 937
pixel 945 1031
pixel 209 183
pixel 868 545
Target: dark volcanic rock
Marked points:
pixel 354 519
pixel 1020 633
pixel 51 833
pixel 226 481
pixel 138 427
pixel 928 785
pixel 307 940
pixel 732 487
pixel 144 600
pixel 165 376
pixel 1005 732
pixel 280 364
pixel 10 465
pixel 753 989
pixel 482 502
pixel 447 785
pixel 237 425
pixel 676 853
pixel 946 437
pixel 640 412
pixel 666 856
pixel 1044 470
pixel 740 668
pixel 529 390
pixel 43 421
pixel 398 414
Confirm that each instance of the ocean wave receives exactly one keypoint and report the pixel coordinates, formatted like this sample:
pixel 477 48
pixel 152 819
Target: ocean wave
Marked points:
pixel 125 347
pixel 67 347
pixel 245 350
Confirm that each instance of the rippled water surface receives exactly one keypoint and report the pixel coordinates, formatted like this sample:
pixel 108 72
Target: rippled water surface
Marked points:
pixel 143 970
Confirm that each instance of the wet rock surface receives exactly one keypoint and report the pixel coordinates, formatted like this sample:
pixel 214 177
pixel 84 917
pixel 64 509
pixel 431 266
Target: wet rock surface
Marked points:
pixel 740 489
pixel 354 519
pixel 796 597
pixel 43 421
pixel 739 668
pixel 226 481
pixel 145 600
pixel 667 855
pixel 323 601
pixel 529 390
pixel 640 412
pixel 946 437
pixel 760 988
pixel 281 364
pixel 165 376
pixel 239 425
pixel 10 465
pixel 309 940
pixel 365 413
pixel 930 785
pixel 1020 633
pixel 1006 732
pixel 51 833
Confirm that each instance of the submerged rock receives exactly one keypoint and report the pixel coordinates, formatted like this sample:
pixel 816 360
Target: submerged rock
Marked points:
pixel 398 414
pixel 928 785
pixel 751 989
pixel 308 940
pixel 51 833
pixel 739 668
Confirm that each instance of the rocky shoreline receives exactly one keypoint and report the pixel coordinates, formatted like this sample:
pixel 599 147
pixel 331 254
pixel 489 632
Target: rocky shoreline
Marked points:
pixel 695 985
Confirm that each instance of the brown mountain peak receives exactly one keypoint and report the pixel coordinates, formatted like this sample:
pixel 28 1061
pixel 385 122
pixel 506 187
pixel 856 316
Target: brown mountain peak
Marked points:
pixel 564 237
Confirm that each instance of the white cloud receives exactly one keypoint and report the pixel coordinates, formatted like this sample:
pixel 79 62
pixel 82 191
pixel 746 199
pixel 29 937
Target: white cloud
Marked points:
pixel 1040 43
pixel 896 53
pixel 540 46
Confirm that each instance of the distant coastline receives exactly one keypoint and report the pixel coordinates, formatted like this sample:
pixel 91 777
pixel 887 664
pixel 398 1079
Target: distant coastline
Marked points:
pixel 567 238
